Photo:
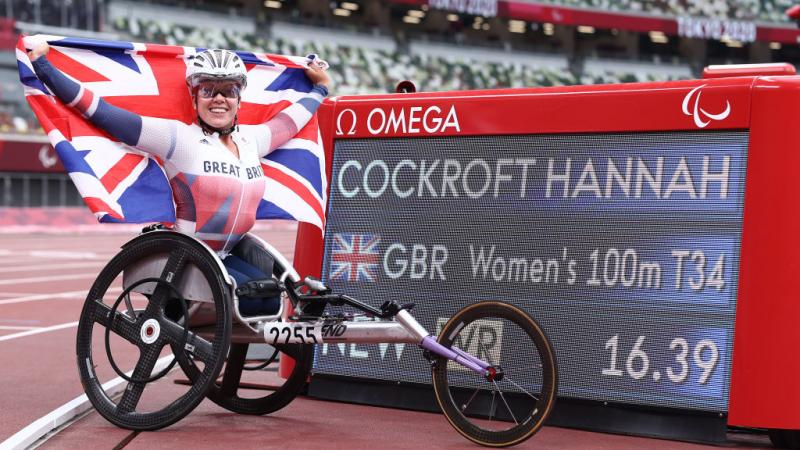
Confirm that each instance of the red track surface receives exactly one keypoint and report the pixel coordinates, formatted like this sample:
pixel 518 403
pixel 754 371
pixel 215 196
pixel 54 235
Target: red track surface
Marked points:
pixel 44 278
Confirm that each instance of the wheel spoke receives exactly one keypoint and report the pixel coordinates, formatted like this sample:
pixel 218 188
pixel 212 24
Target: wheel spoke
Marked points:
pixel 491 406
pixel 173 269
pixel 144 367
pixel 486 352
pixel 466 405
pixel 233 370
pixel 196 345
pixel 130 312
pixel 503 398
pixel 172 273
pixel 520 388
pixel 120 324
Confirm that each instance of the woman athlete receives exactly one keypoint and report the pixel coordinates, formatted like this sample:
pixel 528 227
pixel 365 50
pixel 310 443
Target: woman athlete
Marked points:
pixel 214 164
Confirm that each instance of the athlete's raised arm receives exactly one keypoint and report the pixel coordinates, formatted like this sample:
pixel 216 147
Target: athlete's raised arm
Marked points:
pixel 149 134
pixel 287 123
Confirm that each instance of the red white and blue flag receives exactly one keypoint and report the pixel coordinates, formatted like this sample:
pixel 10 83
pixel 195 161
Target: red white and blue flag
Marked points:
pixel 123 185
pixel 354 257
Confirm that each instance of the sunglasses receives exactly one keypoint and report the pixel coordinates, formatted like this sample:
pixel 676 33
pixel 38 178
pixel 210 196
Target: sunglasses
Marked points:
pixel 210 90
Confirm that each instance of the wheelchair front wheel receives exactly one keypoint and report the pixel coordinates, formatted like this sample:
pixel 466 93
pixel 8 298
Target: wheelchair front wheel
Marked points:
pixel 137 323
pixel 511 406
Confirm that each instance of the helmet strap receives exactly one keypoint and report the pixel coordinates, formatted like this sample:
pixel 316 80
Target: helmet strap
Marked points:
pixel 208 129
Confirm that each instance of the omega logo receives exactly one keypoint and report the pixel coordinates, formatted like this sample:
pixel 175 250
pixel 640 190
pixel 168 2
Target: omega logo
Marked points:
pixel 412 120
pixel 406 120
pixel 699 113
pixel 351 117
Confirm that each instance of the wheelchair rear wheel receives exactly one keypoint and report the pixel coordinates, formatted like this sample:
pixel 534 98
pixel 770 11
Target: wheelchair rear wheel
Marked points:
pixel 267 391
pixel 136 322
pixel 233 394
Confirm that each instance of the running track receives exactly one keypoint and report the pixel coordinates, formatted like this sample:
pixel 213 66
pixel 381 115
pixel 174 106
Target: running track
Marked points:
pixel 44 277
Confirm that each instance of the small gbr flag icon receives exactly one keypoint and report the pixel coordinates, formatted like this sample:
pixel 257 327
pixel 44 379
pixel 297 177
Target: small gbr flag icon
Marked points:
pixel 354 257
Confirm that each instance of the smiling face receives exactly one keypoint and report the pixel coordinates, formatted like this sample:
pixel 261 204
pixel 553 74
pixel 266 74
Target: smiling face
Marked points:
pixel 217 103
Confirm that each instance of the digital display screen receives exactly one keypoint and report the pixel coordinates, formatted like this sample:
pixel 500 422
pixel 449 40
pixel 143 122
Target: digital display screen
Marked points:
pixel 624 247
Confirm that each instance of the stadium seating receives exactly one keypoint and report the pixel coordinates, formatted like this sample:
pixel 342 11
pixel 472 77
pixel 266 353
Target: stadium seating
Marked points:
pixel 15 115
pixel 361 70
pixel 365 69
pixel 761 10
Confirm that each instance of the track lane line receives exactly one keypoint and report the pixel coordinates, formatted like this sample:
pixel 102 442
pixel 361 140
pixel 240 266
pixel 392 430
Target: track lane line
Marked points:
pixel 43 268
pixel 57 254
pixel 40 297
pixel 77 276
pixel 63 254
pixel 61 295
pixel 62 326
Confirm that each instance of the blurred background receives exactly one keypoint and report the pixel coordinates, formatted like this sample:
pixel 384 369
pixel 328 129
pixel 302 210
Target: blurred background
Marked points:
pixel 441 45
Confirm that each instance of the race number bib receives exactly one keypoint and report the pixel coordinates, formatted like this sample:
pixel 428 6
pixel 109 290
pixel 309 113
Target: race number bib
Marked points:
pixel 292 333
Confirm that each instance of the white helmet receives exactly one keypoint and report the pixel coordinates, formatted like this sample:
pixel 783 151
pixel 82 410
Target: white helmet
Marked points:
pixel 216 65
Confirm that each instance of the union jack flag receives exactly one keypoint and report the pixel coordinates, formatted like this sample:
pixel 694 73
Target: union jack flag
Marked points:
pixel 354 257
pixel 123 185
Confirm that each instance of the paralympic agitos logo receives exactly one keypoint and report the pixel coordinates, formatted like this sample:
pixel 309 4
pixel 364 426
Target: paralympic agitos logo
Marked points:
pixel 702 117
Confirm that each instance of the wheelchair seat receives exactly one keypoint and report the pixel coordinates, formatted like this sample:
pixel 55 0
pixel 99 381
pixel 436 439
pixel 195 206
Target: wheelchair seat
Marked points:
pixel 194 286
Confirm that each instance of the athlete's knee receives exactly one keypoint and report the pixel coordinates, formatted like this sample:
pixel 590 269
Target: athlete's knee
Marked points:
pixel 251 251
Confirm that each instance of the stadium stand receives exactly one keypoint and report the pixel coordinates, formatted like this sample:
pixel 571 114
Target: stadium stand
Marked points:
pixel 76 14
pixel 15 115
pixel 378 67
pixel 761 10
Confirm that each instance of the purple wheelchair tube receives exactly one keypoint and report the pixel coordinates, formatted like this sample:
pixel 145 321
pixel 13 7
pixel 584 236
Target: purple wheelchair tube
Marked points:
pixel 455 354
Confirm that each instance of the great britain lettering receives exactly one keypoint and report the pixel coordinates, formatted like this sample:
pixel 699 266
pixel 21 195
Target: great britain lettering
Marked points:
pixel 223 168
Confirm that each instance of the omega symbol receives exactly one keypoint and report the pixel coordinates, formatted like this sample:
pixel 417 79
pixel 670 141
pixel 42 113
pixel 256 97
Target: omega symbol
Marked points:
pixel 352 130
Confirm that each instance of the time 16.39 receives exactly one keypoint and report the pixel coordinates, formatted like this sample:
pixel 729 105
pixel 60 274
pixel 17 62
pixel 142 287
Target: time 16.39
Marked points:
pixel 684 358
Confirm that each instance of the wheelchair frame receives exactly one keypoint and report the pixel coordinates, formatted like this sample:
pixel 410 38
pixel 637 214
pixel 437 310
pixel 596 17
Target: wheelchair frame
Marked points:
pixel 195 288
pixel 391 323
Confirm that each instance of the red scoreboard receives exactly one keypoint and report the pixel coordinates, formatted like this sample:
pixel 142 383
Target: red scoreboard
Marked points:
pixel 651 228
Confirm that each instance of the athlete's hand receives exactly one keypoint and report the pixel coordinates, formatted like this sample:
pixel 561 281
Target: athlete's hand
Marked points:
pixel 317 71
pixel 39 49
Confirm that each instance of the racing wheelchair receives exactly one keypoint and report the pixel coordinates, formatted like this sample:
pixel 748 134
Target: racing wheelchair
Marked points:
pixel 486 396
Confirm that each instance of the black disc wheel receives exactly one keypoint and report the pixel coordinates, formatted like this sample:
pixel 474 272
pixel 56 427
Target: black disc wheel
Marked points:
pixel 509 401
pixel 255 384
pixel 264 390
pixel 132 319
